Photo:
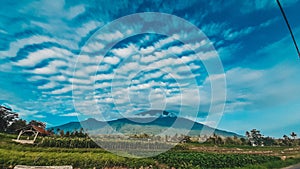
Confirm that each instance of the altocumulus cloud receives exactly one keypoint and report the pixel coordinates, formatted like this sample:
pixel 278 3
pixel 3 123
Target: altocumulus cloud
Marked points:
pixel 39 49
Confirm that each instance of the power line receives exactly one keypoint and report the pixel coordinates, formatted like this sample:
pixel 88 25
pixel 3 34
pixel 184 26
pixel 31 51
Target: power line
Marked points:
pixel 287 22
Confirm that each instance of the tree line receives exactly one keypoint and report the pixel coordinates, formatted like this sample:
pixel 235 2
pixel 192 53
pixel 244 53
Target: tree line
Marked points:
pixel 11 123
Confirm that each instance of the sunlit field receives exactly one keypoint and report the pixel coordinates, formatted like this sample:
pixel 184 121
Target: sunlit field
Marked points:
pixel 188 155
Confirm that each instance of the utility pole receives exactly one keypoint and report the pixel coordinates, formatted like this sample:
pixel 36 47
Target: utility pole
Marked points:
pixel 289 27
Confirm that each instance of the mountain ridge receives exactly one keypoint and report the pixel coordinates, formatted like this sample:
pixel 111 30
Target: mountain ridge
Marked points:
pixel 149 125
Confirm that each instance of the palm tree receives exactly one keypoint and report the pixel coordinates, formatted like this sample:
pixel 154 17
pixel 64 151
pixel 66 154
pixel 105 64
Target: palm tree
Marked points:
pixel 294 135
pixel 247 134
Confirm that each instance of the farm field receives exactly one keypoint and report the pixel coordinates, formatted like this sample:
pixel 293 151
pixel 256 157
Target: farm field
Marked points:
pixel 182 156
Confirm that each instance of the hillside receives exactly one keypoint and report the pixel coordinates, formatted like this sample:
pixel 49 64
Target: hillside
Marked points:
pixel 150 125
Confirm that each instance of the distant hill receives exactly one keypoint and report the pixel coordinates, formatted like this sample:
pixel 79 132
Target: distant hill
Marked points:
pixel 144 124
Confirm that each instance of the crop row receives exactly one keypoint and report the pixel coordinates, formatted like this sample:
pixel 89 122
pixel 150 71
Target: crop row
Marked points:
pixel 68 142
pixel 107 144
pixel 211 160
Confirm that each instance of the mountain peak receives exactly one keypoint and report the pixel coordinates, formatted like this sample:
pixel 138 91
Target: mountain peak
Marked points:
pixel 90 120
pixel 157 113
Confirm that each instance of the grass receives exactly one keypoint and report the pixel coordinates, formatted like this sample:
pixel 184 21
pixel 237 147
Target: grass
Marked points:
pixel 273 164
pixel 15 154
pixel 12 154
pixel 76 159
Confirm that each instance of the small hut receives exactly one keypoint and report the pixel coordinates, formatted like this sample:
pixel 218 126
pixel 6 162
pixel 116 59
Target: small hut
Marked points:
pixel 33 131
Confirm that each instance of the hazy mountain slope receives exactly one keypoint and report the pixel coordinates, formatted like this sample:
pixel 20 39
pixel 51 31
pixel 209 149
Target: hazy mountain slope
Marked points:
pixel 149 125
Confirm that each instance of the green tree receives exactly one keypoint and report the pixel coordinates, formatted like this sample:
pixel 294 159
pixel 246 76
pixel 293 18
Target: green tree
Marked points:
pixel 243 140
pixel 82 133
pixel 37 123
pixel 269 141
pixel 51 131
pixel 61 133
pixel 186 139
pixel 255 137
pixel 68 134
pixel 7 117
pixel 248 134
pixel 16 125
pixel 286 140
pixel 294 135
pixel 219 140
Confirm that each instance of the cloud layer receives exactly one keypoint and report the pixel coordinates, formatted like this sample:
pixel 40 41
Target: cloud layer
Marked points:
pixel 41 41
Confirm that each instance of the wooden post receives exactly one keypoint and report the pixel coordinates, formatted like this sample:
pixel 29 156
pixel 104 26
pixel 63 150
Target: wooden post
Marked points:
pixel 21 132
pixel 36 134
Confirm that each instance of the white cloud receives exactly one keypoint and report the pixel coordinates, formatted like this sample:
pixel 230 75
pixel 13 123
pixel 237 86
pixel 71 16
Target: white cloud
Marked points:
pixel 75 11
pixel 231 34
pixel 39 116
pixel 166 41
pixel 92 47
pixel 23 112
pixel 147 50
pixel 125 52
pixel 214 29
pixel 102 85
pixel 49 85
pixel 84 29
pixel 70 114
pixel 111 60
pixel 259 89
pixel 104 77
pixel 104 67
pixel 110 36
pixel 63 90
pixel 148 59
pixel 126 67
pixel 51 68
pixel 15 46
pixel 80 81
pixel 40 55
pixel 58 78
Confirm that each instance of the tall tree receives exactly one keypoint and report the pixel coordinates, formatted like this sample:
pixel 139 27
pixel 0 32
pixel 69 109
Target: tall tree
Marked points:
pixel 16 125
pixel 286 140
pixel 37 123
pixel 255 137
pixel 248 134
pixel 7 117
pixel 294 135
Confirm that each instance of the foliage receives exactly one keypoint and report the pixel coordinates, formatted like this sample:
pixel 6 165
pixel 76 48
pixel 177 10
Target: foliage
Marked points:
pixel 112 144
pixel 76 159
pixel 7 117
pixel 37 123
pixel 75 133
pixel 294 135
pixel 210 160
pixel 255 137
pixel 180 157
pixel 17 124
pixel 218 140
pixel 272 164
pixel 68 142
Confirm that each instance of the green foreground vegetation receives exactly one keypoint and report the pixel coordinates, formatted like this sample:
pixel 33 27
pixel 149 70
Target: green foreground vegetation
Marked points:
pixel 182 156
pixel 77 149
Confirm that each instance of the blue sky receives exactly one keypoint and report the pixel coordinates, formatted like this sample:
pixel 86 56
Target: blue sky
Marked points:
pixel 42 40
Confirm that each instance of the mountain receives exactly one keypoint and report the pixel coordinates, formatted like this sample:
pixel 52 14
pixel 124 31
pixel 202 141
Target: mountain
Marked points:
pixel 156 113
pixel 142 123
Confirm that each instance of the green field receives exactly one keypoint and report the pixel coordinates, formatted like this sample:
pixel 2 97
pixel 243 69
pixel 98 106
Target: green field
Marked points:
pixel 182 156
